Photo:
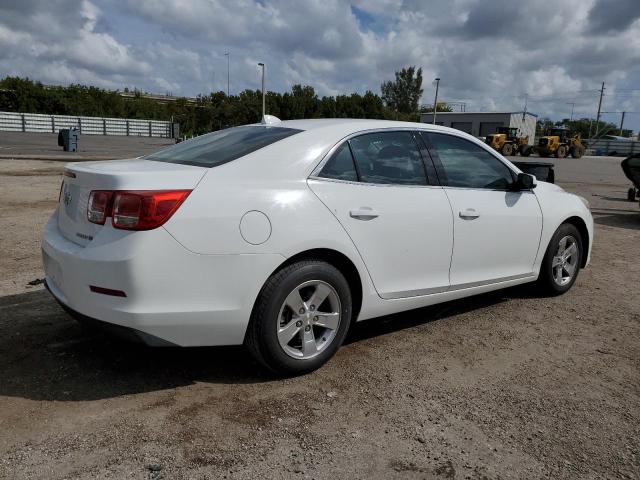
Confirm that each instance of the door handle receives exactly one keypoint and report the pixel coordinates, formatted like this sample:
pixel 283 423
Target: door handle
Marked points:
pixel 469 214
pixel 363 213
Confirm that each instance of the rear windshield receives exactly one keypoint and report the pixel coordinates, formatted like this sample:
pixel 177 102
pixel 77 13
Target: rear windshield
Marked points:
pixel 222 146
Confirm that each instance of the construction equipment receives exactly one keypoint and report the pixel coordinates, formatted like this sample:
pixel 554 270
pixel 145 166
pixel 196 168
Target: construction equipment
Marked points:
pixel 631 168
pixel 560 142
pixel 507 142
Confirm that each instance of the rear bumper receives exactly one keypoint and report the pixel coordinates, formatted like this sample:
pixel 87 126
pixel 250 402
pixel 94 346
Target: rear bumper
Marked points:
pixel 173 295
pixel 125 333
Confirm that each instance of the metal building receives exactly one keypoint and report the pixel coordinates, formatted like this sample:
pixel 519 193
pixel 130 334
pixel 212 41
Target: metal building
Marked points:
pixel 481 124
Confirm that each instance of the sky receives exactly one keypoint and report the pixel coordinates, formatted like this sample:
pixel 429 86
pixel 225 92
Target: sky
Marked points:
pixel 490 54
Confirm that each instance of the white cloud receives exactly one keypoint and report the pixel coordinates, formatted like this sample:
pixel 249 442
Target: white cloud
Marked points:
pixel 488 53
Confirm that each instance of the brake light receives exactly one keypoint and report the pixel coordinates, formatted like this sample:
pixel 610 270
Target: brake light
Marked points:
pixel 99 206
pixel 134 210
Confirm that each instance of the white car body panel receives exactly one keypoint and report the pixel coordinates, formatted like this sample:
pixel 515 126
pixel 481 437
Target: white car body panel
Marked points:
pixel 402 255
pixel 194 281
pixel 496 235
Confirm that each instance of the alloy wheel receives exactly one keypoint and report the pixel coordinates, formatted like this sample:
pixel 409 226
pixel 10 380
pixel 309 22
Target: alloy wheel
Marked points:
pixel 308 319
pixel 565 261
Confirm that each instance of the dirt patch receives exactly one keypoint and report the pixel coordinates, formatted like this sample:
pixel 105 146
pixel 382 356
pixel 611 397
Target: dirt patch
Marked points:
pixel 502 385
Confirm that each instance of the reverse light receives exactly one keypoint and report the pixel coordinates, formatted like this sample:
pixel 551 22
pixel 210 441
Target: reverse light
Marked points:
pixel 136 209
pixel 99 207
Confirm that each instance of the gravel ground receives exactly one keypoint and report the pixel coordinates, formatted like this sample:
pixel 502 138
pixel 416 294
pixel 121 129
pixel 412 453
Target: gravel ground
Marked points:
pixel 502 385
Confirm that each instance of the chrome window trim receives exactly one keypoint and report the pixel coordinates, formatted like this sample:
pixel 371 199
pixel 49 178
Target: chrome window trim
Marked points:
pixel 366 184
pixel 512 168
pixel 316 171
pixel 488 189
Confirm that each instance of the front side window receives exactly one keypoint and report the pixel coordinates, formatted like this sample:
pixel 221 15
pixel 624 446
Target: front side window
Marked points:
pixel 222 146
pixel 468 165
pixel 340 166
pixel 388 158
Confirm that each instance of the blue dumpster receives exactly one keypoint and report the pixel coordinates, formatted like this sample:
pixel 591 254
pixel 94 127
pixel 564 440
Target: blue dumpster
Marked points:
pixel 68 139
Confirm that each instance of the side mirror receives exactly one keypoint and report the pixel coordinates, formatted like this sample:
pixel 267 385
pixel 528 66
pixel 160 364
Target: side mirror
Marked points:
pixel 525 182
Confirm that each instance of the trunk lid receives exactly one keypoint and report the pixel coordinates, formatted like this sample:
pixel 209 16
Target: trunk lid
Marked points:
pixel 80 178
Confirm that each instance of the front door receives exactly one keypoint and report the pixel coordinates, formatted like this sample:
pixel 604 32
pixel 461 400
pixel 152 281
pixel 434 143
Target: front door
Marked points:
pixel 496 230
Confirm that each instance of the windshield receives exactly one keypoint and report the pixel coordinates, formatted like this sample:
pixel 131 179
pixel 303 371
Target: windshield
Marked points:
pixel 222 146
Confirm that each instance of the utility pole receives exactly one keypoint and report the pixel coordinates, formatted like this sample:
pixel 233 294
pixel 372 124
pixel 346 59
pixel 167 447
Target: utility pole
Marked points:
pixel 573 104
pixel 599 108
pixel 435 101
pixel 524 110
pixel 228 57
pixel 263 103
pixel 622 122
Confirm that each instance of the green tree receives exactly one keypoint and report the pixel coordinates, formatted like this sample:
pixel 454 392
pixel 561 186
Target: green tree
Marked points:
pixel 403 94
pixel 586 127
pixel 440 107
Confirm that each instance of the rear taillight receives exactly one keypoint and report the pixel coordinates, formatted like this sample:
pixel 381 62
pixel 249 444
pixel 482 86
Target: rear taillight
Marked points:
pixel 99 207
pixel 134 210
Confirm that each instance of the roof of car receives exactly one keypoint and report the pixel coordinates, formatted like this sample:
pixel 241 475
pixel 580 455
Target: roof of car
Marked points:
pixel 351 124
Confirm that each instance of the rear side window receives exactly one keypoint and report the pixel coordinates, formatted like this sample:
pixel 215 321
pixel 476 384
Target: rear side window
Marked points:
pixel 222 146
pixel 388 157
pixel 468 165
pixel 340 166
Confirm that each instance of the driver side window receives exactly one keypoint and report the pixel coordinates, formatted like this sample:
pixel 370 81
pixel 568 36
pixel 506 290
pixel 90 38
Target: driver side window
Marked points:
pixel 467 165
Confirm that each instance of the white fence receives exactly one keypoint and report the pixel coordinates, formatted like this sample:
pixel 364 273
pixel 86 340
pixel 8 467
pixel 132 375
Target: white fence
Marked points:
pixel 35 122
pixel 619 148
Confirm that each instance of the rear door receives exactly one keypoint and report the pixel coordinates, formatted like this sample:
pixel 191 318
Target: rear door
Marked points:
pixel 496 230
pixel 380 190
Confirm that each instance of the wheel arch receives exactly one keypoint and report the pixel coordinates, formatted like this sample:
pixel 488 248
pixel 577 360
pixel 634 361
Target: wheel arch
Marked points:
pixel 338 260
pixel 580 224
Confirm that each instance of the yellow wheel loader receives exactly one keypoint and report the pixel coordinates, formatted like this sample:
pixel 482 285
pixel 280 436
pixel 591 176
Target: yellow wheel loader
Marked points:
pixel 560 142
pixel 507 142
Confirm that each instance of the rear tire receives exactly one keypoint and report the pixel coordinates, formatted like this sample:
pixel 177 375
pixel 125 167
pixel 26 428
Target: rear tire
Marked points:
pixel 577 151
pixel 562 260
pixel 288 333
pixel 561 152
pixel 525 150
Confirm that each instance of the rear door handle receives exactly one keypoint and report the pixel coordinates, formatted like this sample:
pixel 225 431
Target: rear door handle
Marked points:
pixel 469 214
pixel 363 213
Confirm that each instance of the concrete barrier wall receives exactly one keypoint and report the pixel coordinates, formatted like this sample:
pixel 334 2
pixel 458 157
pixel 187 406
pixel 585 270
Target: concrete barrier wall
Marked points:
pixel 35 122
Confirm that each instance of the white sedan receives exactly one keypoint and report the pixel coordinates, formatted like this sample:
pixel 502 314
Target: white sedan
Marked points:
pixel 280 235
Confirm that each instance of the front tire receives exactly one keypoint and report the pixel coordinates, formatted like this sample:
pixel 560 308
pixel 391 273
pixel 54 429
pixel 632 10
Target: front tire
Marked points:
pixel 301 318
pixel 562 260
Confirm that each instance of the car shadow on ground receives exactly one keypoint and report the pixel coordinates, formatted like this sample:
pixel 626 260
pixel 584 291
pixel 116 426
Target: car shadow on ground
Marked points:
pixel 614 217
pixel 46 355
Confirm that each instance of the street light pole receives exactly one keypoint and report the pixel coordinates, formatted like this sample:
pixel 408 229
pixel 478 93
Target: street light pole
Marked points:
pixel 263 103
pixel 228 57
pixel 435 101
